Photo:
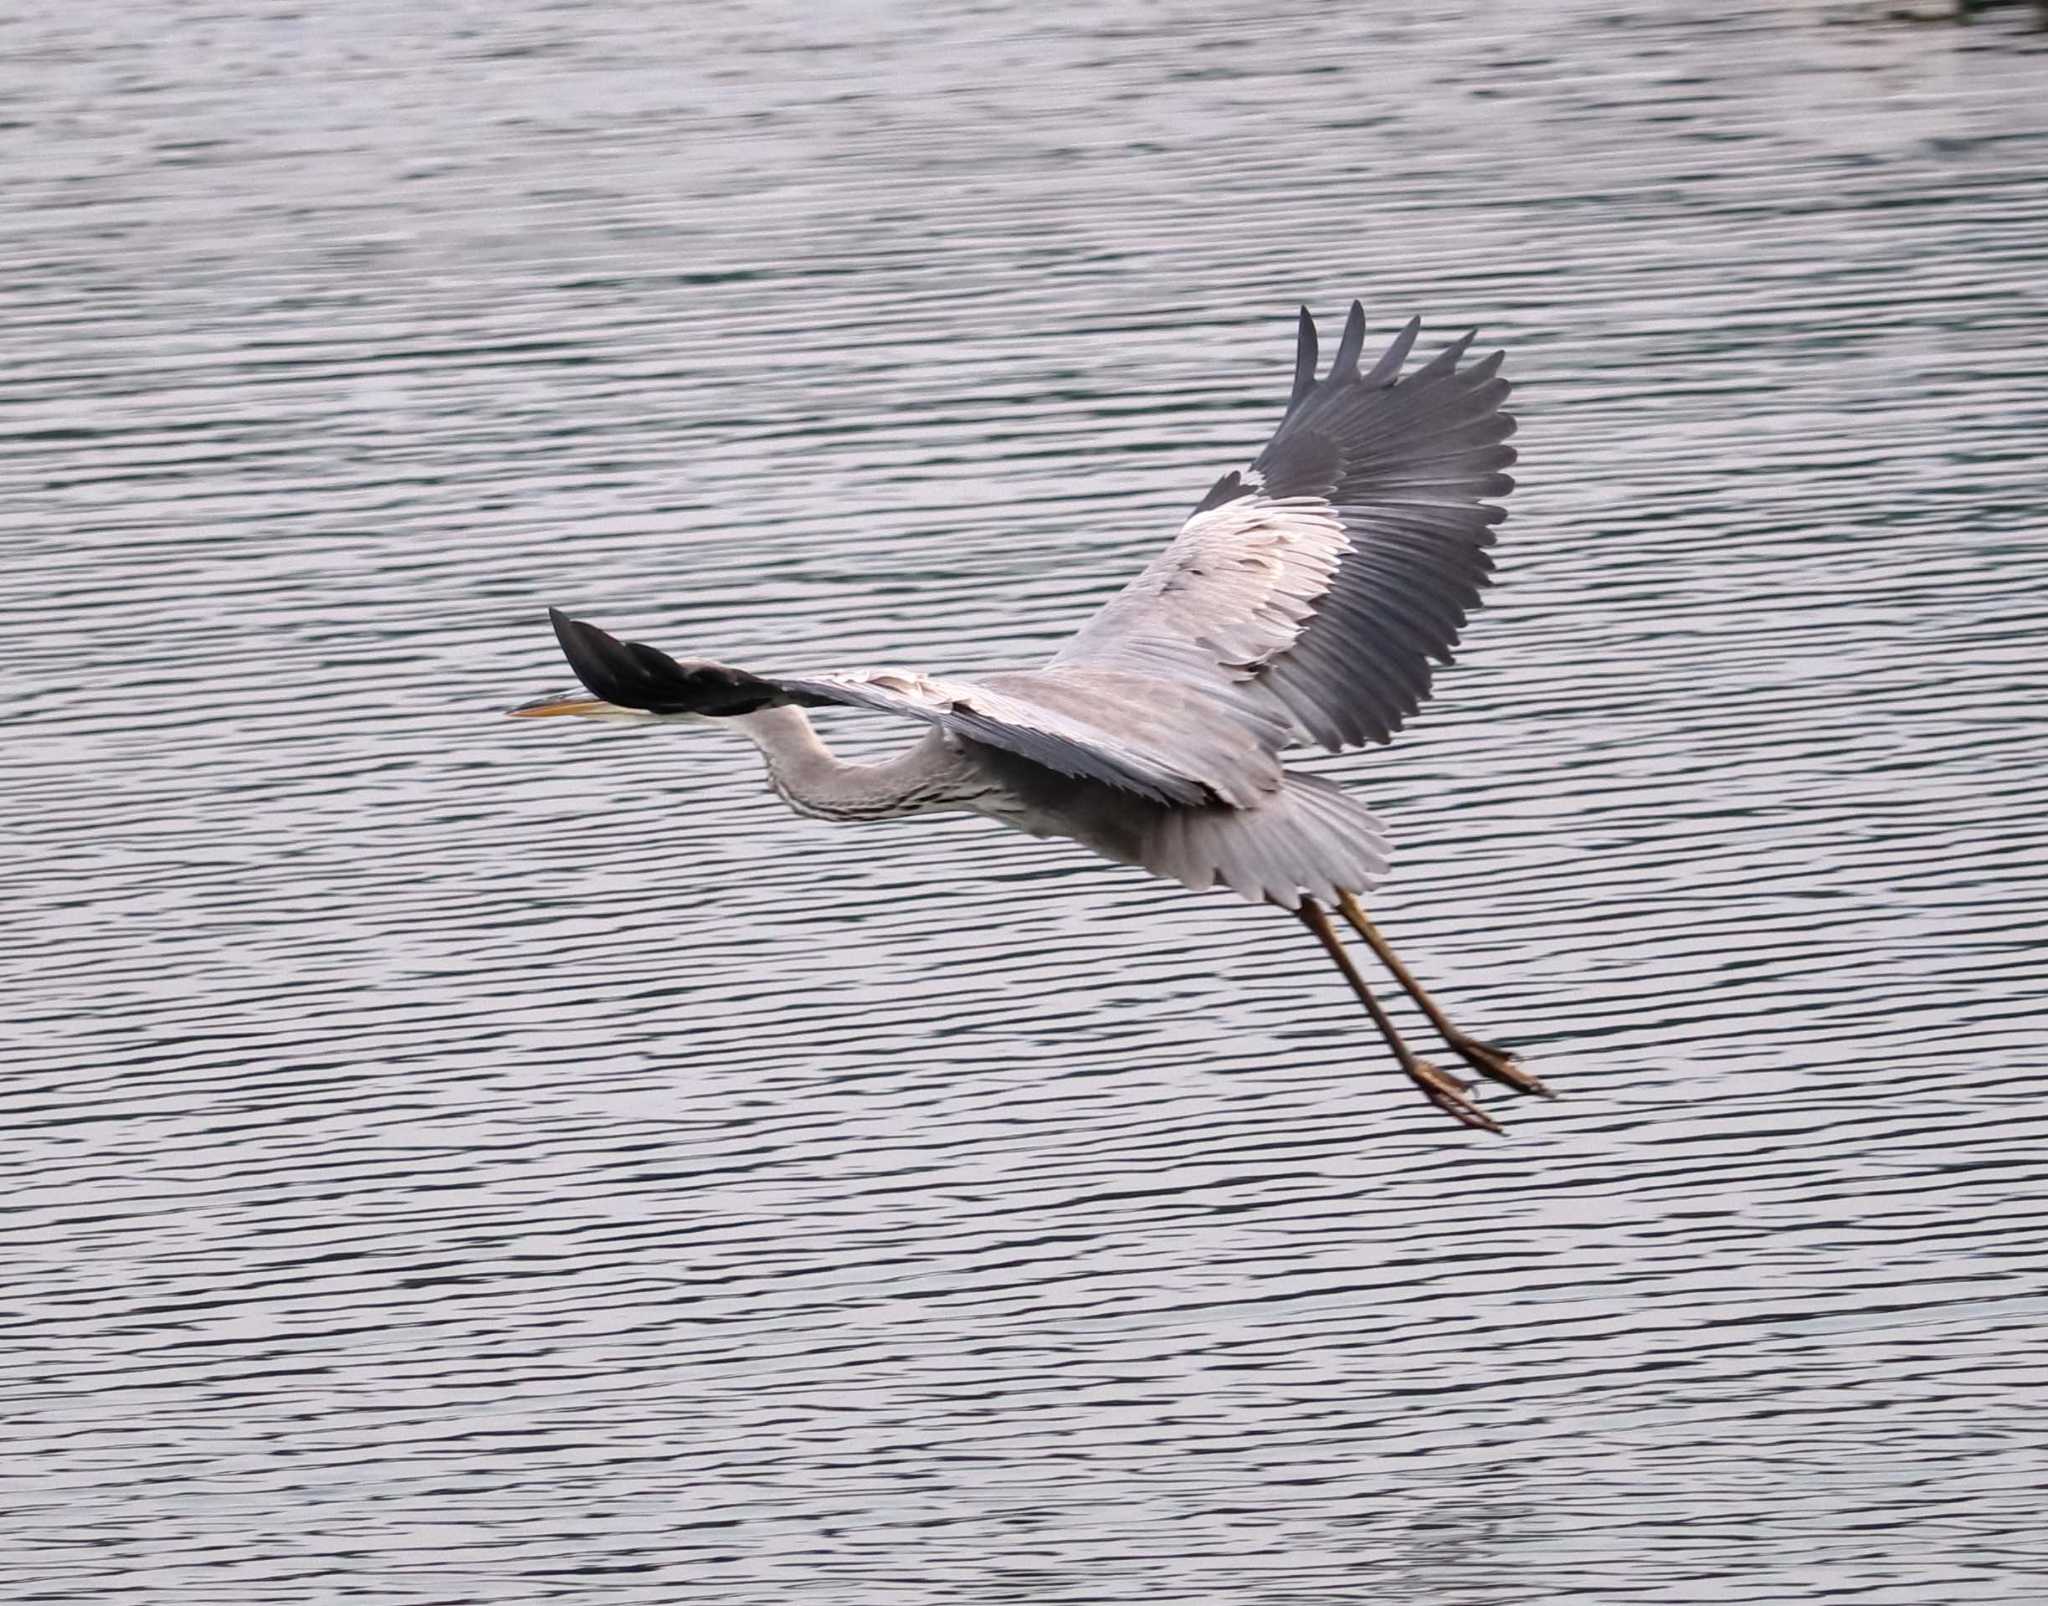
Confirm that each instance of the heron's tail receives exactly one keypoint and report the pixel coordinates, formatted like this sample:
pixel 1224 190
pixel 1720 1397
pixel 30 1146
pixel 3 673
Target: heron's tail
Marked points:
pixel 1311 836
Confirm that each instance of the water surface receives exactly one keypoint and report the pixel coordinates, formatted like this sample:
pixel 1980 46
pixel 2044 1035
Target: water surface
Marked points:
pixel 450 1159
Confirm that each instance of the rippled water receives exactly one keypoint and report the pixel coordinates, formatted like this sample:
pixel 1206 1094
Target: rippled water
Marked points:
pixel 450 1159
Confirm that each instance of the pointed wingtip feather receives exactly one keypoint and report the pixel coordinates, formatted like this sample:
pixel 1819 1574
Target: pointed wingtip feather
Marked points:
pixel 1388 368
pixel 1352 344
pixel 1304 359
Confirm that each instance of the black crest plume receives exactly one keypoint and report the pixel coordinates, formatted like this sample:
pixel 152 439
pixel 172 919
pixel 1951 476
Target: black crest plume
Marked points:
pixel 633 675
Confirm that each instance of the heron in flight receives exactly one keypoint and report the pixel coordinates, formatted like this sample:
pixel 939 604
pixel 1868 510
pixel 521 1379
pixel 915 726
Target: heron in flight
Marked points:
pixel 1302 601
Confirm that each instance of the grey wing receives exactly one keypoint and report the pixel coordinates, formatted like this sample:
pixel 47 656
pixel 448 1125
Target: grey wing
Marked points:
pixel 1099 725
pixel 1327 577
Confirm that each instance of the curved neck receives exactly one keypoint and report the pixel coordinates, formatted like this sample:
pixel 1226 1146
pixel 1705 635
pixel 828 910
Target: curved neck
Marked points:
pixel 806 775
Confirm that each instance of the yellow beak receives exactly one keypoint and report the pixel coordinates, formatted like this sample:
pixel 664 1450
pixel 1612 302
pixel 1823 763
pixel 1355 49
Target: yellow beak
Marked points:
pixel 559 703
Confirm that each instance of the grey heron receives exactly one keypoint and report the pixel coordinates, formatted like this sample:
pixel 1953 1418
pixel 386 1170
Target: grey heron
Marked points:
pixel 1303 600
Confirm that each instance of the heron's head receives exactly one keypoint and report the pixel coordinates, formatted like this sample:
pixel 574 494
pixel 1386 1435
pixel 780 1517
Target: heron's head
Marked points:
pixel 623 680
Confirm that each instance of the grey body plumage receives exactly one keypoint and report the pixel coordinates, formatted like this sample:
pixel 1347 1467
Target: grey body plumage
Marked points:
pixel 1304 600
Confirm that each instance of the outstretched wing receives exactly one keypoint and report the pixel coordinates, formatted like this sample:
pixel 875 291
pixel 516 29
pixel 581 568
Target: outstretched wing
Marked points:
pixel 1328 576
pixel 1107 725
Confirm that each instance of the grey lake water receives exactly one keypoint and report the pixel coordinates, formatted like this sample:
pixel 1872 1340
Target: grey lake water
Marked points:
pixel 452 1159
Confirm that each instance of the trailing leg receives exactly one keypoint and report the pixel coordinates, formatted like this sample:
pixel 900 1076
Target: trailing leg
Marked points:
pixel 1446 1092
pixel 1497 1063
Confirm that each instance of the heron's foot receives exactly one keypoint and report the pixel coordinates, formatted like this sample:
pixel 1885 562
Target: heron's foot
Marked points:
pixel 1497 1064
pixel 1449 1094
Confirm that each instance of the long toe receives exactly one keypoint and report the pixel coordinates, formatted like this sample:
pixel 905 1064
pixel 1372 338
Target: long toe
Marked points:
pixel 1450 1095
pixel 1497 1064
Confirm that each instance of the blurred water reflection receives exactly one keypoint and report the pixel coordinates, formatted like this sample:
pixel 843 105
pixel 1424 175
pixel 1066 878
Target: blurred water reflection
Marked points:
pixel 454 1160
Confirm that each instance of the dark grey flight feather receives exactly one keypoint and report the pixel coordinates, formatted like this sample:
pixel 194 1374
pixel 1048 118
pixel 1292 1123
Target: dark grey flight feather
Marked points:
pixel 1304 360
